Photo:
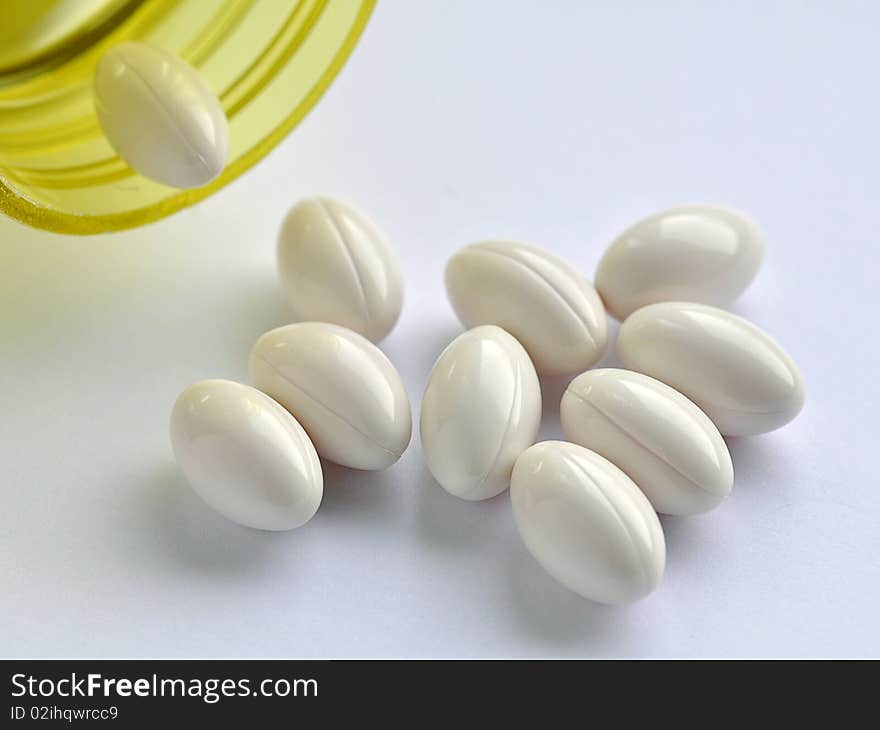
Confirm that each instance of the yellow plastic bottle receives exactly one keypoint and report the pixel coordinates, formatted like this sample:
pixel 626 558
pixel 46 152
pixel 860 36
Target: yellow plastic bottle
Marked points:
pixel 268 60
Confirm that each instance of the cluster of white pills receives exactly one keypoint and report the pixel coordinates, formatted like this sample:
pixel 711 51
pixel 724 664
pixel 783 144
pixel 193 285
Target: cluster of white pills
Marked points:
pixel 641 440
pixel 322 387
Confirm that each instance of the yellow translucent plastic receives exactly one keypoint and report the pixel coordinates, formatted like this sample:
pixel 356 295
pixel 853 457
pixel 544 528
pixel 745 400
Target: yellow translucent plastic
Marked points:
pixel 268 60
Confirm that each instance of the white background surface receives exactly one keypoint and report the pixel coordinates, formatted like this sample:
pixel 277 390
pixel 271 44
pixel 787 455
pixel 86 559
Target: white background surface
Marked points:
pixel 558 123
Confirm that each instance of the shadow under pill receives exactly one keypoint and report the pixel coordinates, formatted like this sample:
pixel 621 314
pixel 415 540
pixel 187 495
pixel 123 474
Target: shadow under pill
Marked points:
pixel 363 498
pixel 762 462
pixel 609 358
pixel 552 390
pixel 551 612
pixel 686 536
pixel 448 523
pixel 171 521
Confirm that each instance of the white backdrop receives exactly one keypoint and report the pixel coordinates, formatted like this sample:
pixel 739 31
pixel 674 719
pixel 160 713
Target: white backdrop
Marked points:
pixel 559 123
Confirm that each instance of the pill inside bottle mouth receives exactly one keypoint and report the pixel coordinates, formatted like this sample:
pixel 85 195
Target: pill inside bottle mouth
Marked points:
pixel 161 115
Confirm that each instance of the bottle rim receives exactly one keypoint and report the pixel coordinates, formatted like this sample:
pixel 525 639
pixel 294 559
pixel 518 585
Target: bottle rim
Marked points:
pixel 16 204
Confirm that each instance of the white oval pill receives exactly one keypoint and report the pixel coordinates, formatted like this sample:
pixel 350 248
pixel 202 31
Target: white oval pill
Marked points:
pixel 587 523
pixel 694 254
pixel 481 409
pixel 659 438
pixel 160 115
pixel 733 370
pixel 341 388
pixel 537 297
pixel 337 266
pixel 246 456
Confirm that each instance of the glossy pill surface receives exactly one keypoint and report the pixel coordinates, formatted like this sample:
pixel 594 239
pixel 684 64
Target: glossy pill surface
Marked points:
pixel 481 409
pixel 659 438
pixel 696 253
pixel 246 456
pixel 733 370
pixel 160 115
pixel 337 266
pixel 587 523
pixel 340 387
pixel 541 300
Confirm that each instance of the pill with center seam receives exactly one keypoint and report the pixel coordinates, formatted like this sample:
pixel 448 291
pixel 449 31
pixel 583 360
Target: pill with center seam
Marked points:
pixel 342 389
pixel 735 372
pixel 245 456
pixel 540 299
pixel 587 523
pixel 160 115
pixel 337 266
pixel 659 438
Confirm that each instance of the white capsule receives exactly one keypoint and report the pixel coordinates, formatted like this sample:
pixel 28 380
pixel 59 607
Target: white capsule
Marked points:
pixel 160 115
pixel 659 438
pixel 246 456
pixel 587 523
pixel 341 388
pixel 537 297
pixel 337 266
pixel 733 370
pixel 481 409
pixel 694 254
